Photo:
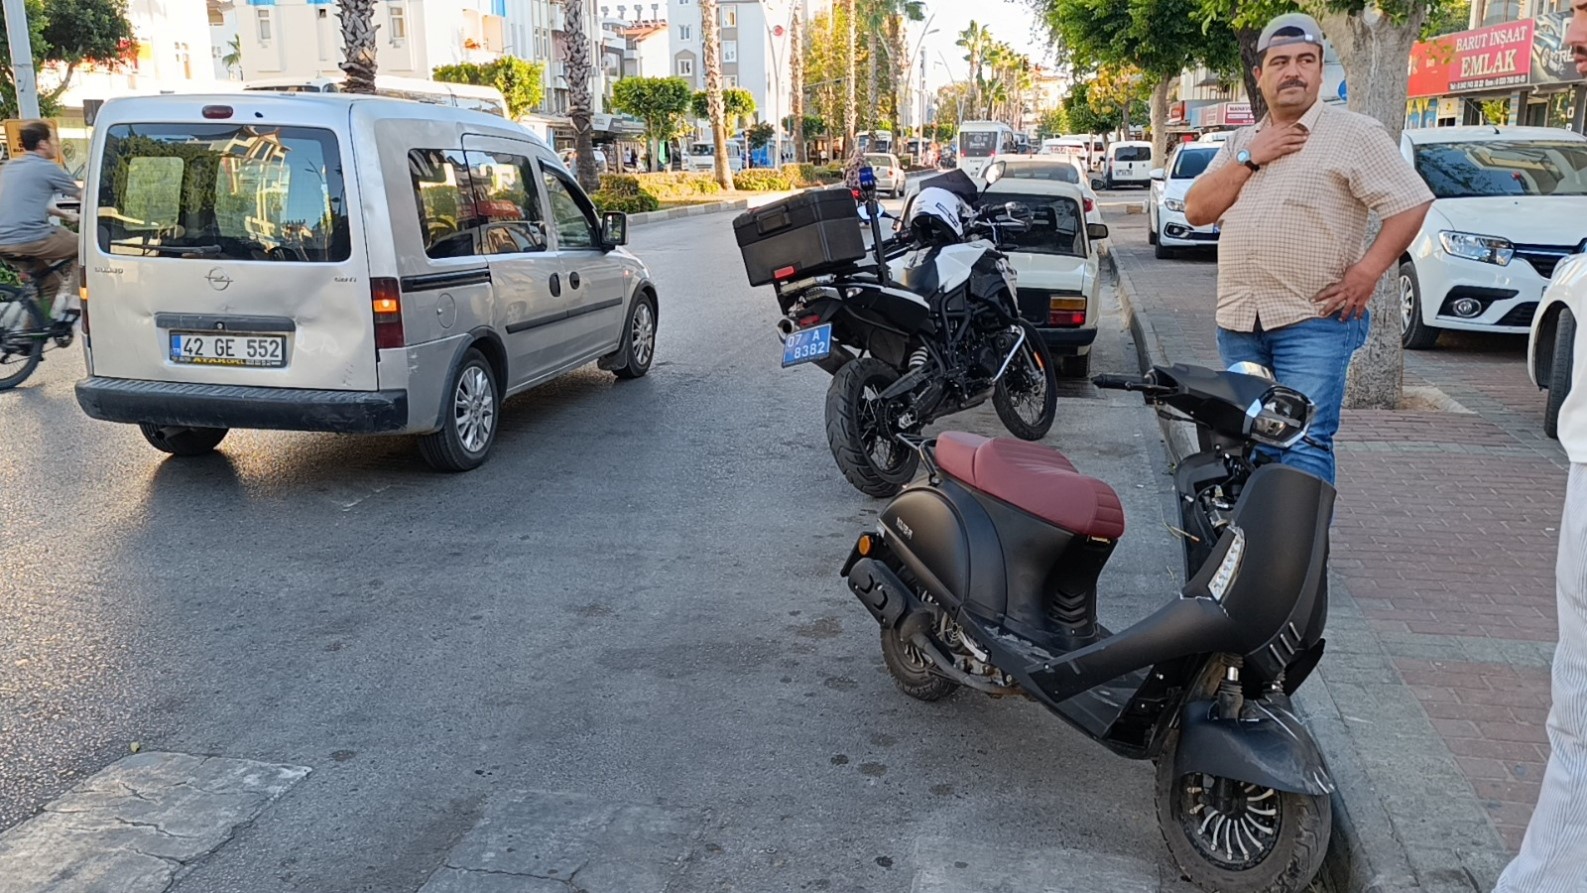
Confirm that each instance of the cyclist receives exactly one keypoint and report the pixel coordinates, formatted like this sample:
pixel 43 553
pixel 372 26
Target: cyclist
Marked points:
pixel 28 185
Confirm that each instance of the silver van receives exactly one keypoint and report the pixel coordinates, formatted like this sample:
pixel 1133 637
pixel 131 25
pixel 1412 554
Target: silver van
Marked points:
pixel 324 262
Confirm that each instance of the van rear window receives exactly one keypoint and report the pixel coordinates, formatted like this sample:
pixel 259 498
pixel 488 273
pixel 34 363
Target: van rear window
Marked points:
pixel 223 192
pixel 1132 153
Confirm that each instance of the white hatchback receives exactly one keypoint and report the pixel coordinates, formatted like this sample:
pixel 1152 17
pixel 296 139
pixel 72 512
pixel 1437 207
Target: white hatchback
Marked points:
pixel 1166 225
pixel 1511 203
pixel 1551 350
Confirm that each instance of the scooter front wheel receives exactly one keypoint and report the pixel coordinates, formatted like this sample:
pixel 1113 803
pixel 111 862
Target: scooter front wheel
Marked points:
pixel 911 670
pixel 1234 837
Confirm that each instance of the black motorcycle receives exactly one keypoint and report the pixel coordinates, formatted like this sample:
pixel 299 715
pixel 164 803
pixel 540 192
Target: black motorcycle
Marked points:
pixel 986 578
pixel 914 332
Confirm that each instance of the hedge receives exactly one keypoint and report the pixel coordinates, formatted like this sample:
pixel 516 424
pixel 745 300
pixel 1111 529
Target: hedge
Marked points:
pixel 637 203
pixel 761 180
pixel 677 184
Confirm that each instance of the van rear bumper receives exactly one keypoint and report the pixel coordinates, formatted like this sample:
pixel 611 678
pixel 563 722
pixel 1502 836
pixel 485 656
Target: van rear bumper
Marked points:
pixel 232 406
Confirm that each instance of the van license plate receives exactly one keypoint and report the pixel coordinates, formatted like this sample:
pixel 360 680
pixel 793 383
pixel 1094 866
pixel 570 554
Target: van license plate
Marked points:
pixel 209 349
pixel 807 345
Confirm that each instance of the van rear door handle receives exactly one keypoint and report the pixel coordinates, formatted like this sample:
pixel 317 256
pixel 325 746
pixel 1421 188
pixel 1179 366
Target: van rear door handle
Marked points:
pixel 556 285
pixel 573 279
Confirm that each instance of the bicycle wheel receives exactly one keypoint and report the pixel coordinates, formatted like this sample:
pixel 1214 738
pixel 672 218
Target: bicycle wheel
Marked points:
pixel 21 348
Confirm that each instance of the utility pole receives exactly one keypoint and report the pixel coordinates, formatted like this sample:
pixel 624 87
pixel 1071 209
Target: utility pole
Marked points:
pixel 22 59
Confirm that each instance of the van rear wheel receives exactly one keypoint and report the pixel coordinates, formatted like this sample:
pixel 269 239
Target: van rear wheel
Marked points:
pixel 469 422
pixel 181 440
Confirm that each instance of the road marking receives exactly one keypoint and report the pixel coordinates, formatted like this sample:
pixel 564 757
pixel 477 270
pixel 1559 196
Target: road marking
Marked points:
pixel 139 823
pixel 529 841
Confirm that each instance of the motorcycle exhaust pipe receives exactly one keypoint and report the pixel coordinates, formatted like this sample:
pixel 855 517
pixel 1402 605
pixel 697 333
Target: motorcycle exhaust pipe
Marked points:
pixel 786 327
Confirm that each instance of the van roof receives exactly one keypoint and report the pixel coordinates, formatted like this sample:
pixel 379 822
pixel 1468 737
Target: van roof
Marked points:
pixel 1136 143
pixel 329 110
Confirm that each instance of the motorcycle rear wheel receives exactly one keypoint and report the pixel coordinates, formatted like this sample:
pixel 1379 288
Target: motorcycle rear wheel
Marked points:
pixel 1275 844
pixel 862 440
pixel 1026 397
pixel 911 670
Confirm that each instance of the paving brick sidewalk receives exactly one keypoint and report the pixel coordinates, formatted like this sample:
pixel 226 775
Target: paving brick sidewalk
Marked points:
pixel 1443 610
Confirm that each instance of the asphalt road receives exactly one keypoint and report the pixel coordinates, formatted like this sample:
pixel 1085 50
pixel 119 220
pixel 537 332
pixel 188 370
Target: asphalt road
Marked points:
pixel 635 601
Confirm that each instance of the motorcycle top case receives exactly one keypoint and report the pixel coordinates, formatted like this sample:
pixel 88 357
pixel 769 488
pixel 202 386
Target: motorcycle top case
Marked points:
pixel 802 235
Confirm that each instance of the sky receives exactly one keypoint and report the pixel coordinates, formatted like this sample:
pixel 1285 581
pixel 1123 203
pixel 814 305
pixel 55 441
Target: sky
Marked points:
pixel 1011 21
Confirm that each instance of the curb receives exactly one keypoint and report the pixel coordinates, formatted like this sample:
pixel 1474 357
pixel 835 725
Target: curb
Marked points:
pixel 1360 857
pixel 736 204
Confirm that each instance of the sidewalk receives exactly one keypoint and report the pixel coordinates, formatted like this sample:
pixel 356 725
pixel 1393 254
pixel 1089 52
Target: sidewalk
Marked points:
pixel 1435 686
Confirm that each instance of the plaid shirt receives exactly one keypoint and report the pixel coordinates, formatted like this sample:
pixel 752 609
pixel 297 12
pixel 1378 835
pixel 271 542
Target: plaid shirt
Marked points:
pixel 1301 221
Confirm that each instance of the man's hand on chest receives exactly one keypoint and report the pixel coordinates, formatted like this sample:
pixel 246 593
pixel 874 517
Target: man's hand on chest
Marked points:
pixel 1274 142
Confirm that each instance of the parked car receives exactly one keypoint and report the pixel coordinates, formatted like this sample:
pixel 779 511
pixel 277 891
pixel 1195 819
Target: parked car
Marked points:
pixel 1058 168
pixel 360 265
pixel 1128 163
pixel 1215 136
pixel 1166 226
pixel 1056 262
pixel 1551 357
pixel 889 173
pixel 1511 202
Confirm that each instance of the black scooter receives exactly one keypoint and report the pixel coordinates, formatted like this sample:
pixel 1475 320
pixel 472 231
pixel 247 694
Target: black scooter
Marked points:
pixel 985 578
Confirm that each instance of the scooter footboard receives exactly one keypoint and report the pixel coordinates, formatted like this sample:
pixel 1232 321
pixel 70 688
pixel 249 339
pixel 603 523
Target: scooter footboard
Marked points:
pixel 1269 747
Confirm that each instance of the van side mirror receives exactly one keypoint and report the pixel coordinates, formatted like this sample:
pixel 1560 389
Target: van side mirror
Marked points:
pixel 1096 231
pixel 1157 173
pixel 614 229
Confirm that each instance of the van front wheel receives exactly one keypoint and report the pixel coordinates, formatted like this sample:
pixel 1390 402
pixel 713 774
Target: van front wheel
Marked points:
pixel 179 440
pixel 468 420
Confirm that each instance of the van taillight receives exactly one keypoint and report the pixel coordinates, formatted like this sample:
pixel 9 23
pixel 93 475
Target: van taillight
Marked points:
pixel 386 299
pixel 82 296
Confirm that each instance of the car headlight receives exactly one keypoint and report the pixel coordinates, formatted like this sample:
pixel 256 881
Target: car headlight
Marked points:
pixel 1472 246
pixel 1281 417
pixel 1174 204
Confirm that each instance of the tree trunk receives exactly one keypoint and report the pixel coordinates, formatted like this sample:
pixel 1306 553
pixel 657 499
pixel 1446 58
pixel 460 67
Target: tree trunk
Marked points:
pixel 873 49
pixel 709 44
pixel 850 53
pixel 1246 38
pixel 580 108
pixel 896 48
pixel 1375 51
pixel 796 83
pixel 1160 120
pixel 358 45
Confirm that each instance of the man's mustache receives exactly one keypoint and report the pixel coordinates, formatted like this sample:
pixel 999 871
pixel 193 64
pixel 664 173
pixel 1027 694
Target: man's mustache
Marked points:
pixel 1292 82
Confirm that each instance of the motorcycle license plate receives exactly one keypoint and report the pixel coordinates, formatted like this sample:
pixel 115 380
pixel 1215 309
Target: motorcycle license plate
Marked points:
pixel 807 345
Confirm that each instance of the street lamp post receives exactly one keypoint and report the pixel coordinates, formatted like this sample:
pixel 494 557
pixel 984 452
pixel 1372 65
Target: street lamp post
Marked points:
pixel 926 31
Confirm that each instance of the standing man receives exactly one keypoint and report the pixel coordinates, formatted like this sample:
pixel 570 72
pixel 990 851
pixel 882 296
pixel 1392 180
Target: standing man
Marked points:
pixel 28 183
pixel 1293 194
pixel 1553 856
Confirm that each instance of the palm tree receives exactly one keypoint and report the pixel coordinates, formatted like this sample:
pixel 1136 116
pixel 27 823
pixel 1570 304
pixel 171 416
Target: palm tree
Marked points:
pixel 709 44
pixel 899 12
pixel 358 45
pixel 975 40
pixel 233 58
pixel 796 81
pixel 580 108
pixel 849 144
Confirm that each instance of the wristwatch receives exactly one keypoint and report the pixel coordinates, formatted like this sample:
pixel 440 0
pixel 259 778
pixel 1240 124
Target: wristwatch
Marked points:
pixel 1244 157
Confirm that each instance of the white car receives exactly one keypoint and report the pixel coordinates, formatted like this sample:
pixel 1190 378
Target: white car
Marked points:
pixel 1058 168
pixel 889 173
pixel 1550 353
pixel 1128 163
pixel 1056 263
pixel 1215 136
pixel 1511 203
pixel 1166 226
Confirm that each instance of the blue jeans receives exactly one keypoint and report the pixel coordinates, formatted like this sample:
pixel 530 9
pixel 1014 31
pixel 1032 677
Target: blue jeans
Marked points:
pixel 1311 357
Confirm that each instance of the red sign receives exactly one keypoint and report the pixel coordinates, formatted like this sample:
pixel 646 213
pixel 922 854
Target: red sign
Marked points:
pixel 1473 61
pixel 1238 114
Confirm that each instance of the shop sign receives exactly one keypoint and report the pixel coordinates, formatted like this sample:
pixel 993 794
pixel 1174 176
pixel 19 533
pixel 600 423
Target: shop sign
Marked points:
pixel 1551 55
pixel 1472 61
pixel 1237 114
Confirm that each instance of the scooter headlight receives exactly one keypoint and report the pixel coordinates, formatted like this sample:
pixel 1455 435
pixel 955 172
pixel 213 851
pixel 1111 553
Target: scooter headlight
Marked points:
pixel 1280 418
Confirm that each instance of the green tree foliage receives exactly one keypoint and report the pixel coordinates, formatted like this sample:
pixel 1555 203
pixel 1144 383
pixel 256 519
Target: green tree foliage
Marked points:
pixel 522 82
pixel 661 103
pixel 66 34
pixel 760 134
pixel 737 103
pixel 1054 122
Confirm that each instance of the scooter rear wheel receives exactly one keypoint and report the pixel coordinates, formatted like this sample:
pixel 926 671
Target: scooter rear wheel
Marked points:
pixel 1271 842
pixel 911 670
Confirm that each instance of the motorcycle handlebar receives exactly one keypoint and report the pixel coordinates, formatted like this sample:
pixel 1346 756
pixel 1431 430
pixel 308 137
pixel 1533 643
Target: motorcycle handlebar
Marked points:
pixel 1112 382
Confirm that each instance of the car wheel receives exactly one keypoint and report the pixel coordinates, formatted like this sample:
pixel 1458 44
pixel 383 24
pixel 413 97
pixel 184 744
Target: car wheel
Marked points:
pixel 639 338
pixel 1163 252
pixel 1559 376
pixel 180 440
pixel 1151 227
pixel 1414 333
pixel 468 425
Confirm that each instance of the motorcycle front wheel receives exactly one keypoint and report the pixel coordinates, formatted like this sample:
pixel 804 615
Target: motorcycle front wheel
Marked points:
pixel 1262 840
pixel 861 435
pixel 1026 397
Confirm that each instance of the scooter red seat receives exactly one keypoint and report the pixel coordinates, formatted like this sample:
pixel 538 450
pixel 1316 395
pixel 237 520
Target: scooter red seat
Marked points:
pixel 1035 479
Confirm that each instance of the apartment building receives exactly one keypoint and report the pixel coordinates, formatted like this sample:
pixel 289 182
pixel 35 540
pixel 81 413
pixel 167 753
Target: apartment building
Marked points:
pixel 754 49
pixel 173 55
pixel 302 38
pixel 1511 65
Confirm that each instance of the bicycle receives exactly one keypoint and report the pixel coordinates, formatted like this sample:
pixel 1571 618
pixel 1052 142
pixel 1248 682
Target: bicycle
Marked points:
pixel 25 331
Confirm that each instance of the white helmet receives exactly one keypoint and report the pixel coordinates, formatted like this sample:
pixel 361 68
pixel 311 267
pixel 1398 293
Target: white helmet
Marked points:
pixel 938 216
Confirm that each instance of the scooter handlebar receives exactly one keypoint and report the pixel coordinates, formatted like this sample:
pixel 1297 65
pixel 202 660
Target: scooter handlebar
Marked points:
pixel 1112 382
